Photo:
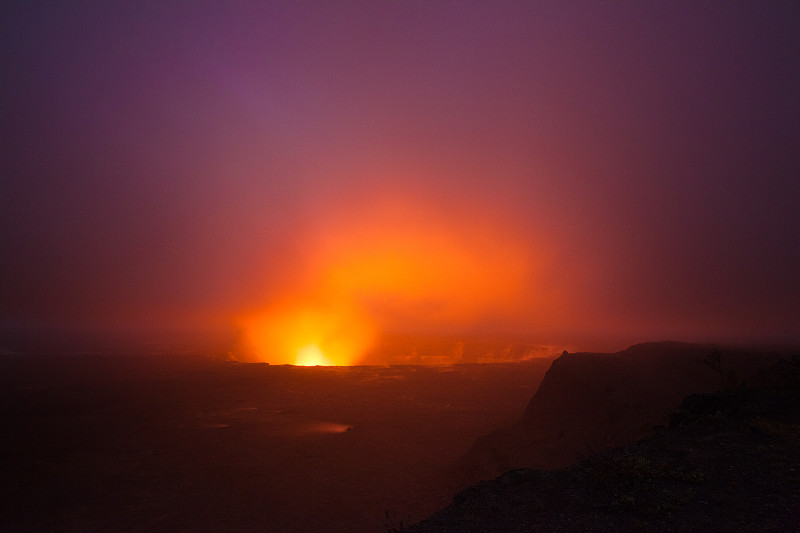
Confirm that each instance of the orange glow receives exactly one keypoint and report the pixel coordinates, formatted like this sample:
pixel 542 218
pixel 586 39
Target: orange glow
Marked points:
pixel 310 355
pixel 307 333
pixel 391 269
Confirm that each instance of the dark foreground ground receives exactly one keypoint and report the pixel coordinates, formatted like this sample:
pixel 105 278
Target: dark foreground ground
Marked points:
pixel 130 443
pixel 727 462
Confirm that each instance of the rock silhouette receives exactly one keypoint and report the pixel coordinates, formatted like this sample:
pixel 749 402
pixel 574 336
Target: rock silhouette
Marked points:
pixel 590 402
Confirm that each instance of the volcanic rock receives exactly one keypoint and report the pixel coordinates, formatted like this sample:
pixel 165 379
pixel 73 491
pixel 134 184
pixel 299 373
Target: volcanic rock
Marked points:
pixel 590 402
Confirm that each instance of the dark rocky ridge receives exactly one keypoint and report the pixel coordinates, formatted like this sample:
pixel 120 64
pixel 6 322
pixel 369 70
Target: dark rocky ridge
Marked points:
pixel 728 462
pixel 590 402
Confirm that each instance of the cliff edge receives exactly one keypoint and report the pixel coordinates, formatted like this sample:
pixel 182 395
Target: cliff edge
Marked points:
pixel 590 402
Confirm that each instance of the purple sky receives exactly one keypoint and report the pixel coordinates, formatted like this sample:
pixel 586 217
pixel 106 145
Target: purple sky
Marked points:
pixel 167 162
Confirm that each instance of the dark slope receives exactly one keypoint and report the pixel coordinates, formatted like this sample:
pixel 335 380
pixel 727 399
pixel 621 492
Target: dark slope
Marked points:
pixel 170 443
pixel 592 402
pixel 727 462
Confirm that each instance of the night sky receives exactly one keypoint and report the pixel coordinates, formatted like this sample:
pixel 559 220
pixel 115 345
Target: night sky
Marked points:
pixel 608 172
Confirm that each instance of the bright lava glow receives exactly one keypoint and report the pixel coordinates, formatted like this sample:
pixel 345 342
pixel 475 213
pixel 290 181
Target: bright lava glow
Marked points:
pixel 311 355
pixel 309 333
pixel 399 268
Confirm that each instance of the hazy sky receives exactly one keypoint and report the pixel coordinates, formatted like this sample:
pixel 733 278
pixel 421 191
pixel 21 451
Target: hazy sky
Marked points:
pixel 623 170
